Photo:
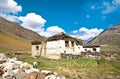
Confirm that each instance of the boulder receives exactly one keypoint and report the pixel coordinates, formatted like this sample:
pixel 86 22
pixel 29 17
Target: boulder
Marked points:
pixel 3 58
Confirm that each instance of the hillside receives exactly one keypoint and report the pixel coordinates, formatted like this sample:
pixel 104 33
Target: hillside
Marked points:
pixel 110 36
pixel 14 37
pixel 109 40
pixel 18 30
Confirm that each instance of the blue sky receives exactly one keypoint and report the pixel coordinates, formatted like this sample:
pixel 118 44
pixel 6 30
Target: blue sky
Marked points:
pixel 79 18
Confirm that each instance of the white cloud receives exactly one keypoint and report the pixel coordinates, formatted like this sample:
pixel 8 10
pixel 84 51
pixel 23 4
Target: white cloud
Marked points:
pixel 9 9
pixel 116 2
pixel 36 23
pixel 9 6
pixel 87 16
pixel 52 30
pixel 75 31
pixel 9 17
pixel 108 8
pixel 32 21
pixel 85 33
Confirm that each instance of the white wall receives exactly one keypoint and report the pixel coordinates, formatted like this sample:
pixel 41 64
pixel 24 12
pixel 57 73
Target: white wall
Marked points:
pixel 54 47
pixel 34 51
pixel 98 49
pixel 91 49
pixel 57 47
pixel 78 49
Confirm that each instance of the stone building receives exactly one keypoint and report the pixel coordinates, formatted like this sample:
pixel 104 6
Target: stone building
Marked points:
pixel 62 43
pixel 36 48
pixel 59 44
pixel 91 48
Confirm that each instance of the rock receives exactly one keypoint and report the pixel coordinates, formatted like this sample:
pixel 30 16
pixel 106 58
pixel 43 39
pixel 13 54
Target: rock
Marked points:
pixel 1 71
pixel 8 66
pixel 45 71
pixel 20 75
pixel 32 70
pixel 2 55
pixel 32 75
pixel 3 58
pixel 7 75
pixel 35 63
pixel 26 66
pixel 12 60
pixel 51 76
pixel 11 68
pixel 42 75
pixel 15 66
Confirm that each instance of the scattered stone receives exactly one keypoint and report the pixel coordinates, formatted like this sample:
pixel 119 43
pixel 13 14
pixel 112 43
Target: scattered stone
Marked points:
pixel 3 58
pixel 11 68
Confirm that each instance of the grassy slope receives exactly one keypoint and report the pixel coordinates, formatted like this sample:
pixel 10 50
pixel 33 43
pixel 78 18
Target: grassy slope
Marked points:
pixel 10 42
pixel 76 68
pixel 110 49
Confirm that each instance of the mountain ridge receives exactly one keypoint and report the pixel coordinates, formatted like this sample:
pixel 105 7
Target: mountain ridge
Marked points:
pixel 18 30
pixel 109 36
pixel 14 37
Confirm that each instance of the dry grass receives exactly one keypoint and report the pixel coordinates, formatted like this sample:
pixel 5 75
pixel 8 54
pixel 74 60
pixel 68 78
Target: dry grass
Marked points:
pixel 10 42
pixel 77 68
pixel 110 49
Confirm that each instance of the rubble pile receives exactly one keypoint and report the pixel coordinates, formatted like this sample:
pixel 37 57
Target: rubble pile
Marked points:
pixel 11 68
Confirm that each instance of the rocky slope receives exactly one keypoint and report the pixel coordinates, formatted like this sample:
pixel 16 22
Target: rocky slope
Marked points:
pixel 110 36
pixel 18 30
pixel 14 37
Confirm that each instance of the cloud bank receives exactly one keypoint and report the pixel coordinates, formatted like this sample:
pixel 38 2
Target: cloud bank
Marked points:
pixel 10 6
pixel 110 7
pixel 10 9
pixel 85 33
pixel 32 21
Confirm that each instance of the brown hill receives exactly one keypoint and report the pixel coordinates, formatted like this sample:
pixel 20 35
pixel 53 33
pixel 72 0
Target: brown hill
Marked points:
pixel 110 36
pixel 14 37
pixel 18 30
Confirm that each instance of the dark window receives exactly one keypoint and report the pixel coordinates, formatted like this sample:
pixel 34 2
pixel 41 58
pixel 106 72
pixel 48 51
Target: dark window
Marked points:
pixel 37 47
pixel 66 43
pixel 85 49
pixel 94 49
pixel 72 44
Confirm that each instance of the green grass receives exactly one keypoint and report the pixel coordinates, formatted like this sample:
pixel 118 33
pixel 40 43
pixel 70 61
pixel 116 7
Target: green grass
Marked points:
pixel 110 48
pixel 86 68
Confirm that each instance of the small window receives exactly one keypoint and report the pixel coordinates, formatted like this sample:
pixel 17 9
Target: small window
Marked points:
pixel 66 43
pixel 37 47
pixel 85 49
pixel 94 49
pixel 72 44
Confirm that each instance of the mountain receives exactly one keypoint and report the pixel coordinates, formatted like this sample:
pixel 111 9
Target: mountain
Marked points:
pixel 14 37
pixel 109 40
pixel 18 30
pixel 110 36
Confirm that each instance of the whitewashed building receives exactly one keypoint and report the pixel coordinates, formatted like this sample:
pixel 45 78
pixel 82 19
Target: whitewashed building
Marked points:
pixel 91 48
pixel 57 44
pixel 63 43
pixel 36 48
pixel 60 43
